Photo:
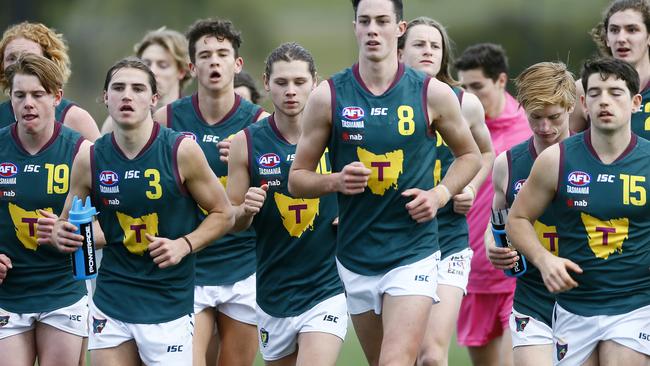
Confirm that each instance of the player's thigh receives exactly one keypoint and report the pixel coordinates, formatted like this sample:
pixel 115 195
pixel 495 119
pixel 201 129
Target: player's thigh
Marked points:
pixel 318 349
pixel 125 354
pixel 21 347
pixel 238 341
pixel 443 315
pixel 404 321
pixel 289 360
pixel 368 327
pixel 203 332
pixel 534 355
pixel 57 347
pixel 611 353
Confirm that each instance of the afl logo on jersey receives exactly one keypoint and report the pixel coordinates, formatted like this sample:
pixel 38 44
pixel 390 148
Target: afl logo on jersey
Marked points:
pixel 8 170
pixel 518 184
pixel 353 113
pixel 579 179
pixel 108 178
pixel 189 135
pixel 269 160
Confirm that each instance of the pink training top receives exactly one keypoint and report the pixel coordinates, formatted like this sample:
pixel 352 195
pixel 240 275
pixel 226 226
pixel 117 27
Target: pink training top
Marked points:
pixel 507 130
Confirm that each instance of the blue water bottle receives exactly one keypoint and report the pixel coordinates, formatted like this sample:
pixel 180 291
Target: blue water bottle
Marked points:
pixel 499 218
pixel 84 260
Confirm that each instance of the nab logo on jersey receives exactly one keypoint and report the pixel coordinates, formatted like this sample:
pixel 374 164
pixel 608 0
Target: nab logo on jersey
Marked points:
pixel 518 184
pixel 8 170
pixel 189 135
pixel 108 178
pixel 269 160
pixel 579 179
pixel 353 113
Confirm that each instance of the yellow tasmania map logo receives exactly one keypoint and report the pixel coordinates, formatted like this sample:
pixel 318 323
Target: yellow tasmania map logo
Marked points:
pixel 223 180
pixel 297 213
pixel 605 237
pixel 25 225
pixel 386 169
pixel 134 230
pixel 547 235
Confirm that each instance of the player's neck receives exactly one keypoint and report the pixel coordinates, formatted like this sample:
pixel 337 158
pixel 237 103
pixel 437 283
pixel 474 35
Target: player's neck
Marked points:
pixel 643 68
pixel 33 143
pixel 378 75
pixel 610 145
pixel 169 97
pixel 215 104
pixel 541 145
pixel 132 139
pixel 288 126
pixel 495 110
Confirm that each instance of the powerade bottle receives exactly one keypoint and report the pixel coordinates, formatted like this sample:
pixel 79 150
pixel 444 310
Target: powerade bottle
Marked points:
pixel 84 260
pixel 499 218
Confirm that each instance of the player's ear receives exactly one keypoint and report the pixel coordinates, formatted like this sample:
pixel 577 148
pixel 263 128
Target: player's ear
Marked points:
pixel 266 80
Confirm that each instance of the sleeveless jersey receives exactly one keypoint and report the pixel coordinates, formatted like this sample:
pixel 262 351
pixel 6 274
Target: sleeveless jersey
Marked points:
pixel 452 227
pixel 531 297
pixel 389 134
pixel 296 241
pixel 641 118
pixel 601 213
pixel 231 258
pixel 135 197
pixel 7 113
pixel 41 278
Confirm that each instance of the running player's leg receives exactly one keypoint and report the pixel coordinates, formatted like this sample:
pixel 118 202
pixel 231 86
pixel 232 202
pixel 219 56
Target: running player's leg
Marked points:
pixel 21 347
pixel 540 354
pixel 56 347
pixel 442 320
pixel 370 333
pixel 125 354
pixel 284 361
pixel 238 341
pixel 404 321
pixel 203 333
pixel 318 349
pixel 611 353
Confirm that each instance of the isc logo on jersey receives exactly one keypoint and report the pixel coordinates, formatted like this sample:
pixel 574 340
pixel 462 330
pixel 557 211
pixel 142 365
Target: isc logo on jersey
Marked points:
pixel 352 117
pixel 578 182
pixel 189 135
pixel 8 173
pixel 268 164
pixel 108 180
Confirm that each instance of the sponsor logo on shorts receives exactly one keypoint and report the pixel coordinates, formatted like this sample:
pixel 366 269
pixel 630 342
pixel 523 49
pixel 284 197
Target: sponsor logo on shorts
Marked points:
pixel 421 278
pixel 264 337
pixel 521 323
pixel 75 317
pixel 175 348
pixel 353 113
pixel 331 318
pixel 98 325
pixel 4 320
pixel 644 336
pixel 561 349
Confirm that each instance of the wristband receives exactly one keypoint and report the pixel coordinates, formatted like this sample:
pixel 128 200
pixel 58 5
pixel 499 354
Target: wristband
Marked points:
pixel 189 244
pixel 446 190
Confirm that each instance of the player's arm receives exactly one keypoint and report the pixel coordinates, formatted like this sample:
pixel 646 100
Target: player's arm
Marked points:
pixel 62 234
pixel 246 200
pixel 108 125
pixel 578 118
pixel 81 121
pixel 532 200
pixel 444 111
pixel 501 258
pixel 316 129
pixel 161 116
pixel 474 114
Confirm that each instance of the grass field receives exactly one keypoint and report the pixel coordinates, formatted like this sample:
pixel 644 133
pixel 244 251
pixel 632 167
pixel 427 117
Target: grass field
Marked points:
pixel 351 354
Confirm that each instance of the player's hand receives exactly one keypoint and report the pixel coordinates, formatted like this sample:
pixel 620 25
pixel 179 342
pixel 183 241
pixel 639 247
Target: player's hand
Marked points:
pixel 254 199
pixel 501 258
pixel 555 273
pixel 423 205
pixel 63 237
pixel 166 252
pixel 5 266
pixel 464 201
pixel 224 150
pixel 44 227
pixel 353 179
